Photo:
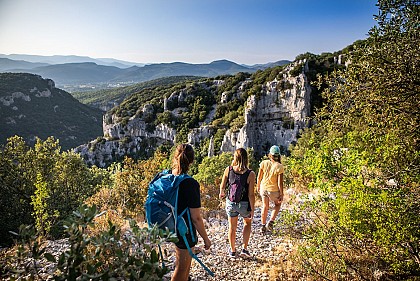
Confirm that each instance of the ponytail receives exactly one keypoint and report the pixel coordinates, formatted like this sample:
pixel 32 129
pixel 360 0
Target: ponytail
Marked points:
pixel 240 158
pixel 183 157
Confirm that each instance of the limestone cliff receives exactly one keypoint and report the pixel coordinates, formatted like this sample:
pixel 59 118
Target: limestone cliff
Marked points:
pixel 274 112
pixel 274 117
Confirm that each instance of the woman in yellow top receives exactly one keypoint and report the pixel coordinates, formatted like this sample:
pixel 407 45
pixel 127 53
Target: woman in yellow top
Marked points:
pixel 270 186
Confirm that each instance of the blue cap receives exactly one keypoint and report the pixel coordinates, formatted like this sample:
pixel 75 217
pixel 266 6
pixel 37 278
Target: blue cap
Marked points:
pixel 275 150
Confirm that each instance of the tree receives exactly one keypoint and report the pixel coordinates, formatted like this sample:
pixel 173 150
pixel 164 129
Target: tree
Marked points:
pixel 127 195
pixel 364 158
pixel 15 188
pixel 42 185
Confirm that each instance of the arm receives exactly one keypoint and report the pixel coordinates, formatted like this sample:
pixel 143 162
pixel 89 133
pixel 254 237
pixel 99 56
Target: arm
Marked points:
pixel 223 183
pixel 199 225
pixel 280 185
pixel 260 176
pixel 251 191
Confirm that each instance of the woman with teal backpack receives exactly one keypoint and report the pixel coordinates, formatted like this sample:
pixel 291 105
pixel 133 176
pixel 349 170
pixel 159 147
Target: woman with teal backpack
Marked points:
pixel 188 197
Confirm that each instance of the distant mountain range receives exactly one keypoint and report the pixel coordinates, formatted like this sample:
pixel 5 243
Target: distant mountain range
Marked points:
pixel 57 59
pixel 76 71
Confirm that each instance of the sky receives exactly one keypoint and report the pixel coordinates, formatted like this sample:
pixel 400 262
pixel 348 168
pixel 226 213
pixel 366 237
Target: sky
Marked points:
pixel 192 31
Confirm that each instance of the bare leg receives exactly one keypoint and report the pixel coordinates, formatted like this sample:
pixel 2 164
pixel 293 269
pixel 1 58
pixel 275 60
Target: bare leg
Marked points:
pixel 275 211
pixel 247 232
pixel 182 266
pixel 264 211
pixel 233 223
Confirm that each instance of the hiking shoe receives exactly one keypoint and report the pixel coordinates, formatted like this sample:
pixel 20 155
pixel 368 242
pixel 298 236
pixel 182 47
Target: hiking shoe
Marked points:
pixel 245 254
pixel 263 229
pixel 270 225
pixel 231 254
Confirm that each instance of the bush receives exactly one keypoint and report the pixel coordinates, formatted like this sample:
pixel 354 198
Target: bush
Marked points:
pixel 110 255
pixel 361 161
pixel 41 185
pixel 209 176
pixel 128 194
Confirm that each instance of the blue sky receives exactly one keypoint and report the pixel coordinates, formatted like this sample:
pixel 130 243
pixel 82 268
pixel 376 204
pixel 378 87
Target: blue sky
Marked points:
pixel 192 31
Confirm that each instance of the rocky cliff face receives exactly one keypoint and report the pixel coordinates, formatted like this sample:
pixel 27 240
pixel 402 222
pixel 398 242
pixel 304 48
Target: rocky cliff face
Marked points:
pixel 131 139
pixel 274 116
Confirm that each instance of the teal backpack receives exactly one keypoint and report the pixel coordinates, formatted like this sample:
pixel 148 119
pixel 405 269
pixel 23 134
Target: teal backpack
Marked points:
pixel 162 206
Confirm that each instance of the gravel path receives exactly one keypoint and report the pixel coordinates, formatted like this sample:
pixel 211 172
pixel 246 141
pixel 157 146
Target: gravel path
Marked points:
pixel 269 254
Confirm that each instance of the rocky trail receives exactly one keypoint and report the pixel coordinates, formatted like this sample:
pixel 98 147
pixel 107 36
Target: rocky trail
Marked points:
pixel 269 254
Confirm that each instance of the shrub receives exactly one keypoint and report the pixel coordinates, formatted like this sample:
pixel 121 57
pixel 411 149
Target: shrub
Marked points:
pixel 128 194
pixel 41 183
pixel 110 255
pixel 362 161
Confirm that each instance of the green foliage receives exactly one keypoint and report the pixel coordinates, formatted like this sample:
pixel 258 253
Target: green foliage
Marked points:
pixel 361 160
pixel 296 70
pixel 43 220
pixel 110 255
pixel 165 118
pixel 107 96
pixel 42 181
pixel 211 169
pixel 16 187
pixel 128 193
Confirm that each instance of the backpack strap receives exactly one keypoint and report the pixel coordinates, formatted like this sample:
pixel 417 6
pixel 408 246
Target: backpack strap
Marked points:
pixel 187 210
pixel 176 183
pixel 194 256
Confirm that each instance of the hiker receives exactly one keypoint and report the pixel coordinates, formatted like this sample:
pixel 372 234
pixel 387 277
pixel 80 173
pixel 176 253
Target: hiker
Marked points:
pixel 270 186
pixel 188 196
pixel 243 204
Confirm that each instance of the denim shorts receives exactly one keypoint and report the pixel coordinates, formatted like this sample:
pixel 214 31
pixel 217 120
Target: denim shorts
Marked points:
pixel 234 209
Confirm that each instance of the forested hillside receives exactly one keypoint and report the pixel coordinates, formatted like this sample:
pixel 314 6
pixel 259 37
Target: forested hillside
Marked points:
pixel 356 169
pixel 31 107
pixel 108 98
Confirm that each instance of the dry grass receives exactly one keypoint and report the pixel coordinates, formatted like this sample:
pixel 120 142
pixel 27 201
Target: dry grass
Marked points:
pixel 284 269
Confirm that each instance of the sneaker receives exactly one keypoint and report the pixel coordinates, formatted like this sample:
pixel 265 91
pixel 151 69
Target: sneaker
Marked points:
pixel 245 254
pixel 231 254
pixel 270 225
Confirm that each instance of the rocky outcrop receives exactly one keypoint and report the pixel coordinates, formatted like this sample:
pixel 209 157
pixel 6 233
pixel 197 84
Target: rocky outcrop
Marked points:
pixel 199 134
pixel 133 139
pixel 137 127
pixel 274 117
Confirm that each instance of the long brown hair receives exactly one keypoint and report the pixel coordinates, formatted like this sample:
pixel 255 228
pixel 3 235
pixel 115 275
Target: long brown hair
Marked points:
pixel 240 159
pixel 183 157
